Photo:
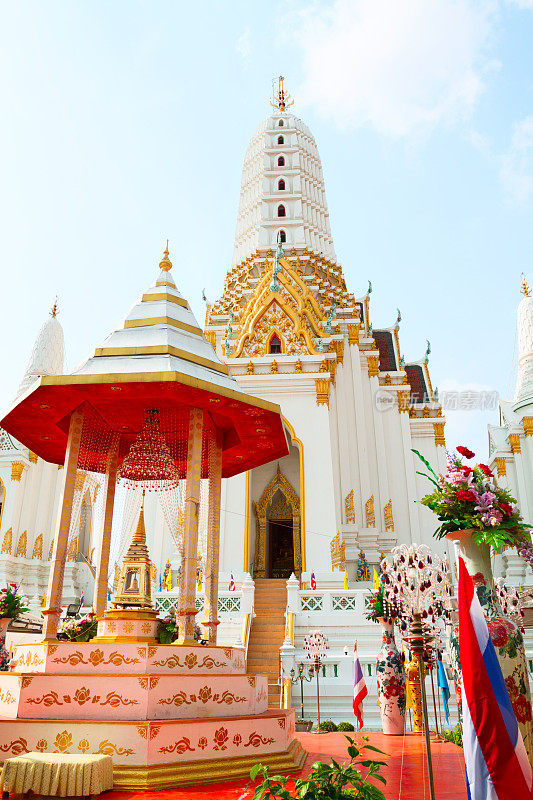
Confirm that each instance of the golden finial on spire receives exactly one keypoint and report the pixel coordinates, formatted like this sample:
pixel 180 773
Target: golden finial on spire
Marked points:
pixel 282 100
pixel 525 288
pixel 55 309
pixel 165 263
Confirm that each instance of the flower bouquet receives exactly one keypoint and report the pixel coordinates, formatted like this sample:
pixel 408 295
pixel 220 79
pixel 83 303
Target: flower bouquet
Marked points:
pixel 12 603
pixel 378 607
pixel 168 628
pixel 467 497
pixel 81 628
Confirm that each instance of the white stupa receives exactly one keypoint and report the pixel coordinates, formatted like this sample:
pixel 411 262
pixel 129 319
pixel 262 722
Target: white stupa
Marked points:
pixel 47 355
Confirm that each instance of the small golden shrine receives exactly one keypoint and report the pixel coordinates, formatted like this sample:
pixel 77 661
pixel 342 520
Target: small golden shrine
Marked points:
pixel 134 580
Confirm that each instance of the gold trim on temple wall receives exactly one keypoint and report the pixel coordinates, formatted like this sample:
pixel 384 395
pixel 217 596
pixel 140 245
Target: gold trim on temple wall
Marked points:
pixel 300 446
pixel 439 434
pixel 32 456
pixel 389 519
pixel 501 466
pixel 7 542
pixel 514 441
pixel 17 468
pixel 22 545
pixel 247 521
pixel 322 391
pixel 373 365
pixel 370 516
pixel 353 334
pixel 211 337
pixel 38 548
pixel 337 553
pixel 403 401
pixel 143 323
pixel 527 422
pixel 349 510
pixel 160 350
pixel 338 348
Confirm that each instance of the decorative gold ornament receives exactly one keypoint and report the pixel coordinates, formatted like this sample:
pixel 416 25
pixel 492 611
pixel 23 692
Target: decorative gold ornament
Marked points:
pixel 527 422
pixel 282 99
pixel 439 434
pixel 373 365
pixel 389 519
pixel 514 441
pixel 349 510
pixel 501 467
pixel 32 456
pixel 7 542
pixel 250 368
pixel 403 401
pixel 298 367
pixel 322 391
pixel 165 264
pixel 134 582
pixel 425 412
pixel 22 545
pixel 338 553
pixel 388 379
pixel 38 548
pixel 369 512
pixel 17 468
pixel 274 369
pixel 353 334
pixel 524 288
pixel 211 337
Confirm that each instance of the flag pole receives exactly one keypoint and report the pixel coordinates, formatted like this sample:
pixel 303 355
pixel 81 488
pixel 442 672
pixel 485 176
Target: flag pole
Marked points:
pixel 417 648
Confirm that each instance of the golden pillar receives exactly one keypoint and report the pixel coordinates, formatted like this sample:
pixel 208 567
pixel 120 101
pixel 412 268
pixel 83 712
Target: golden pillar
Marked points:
pixel 213 536
pixel 187 594
pixel 102 563
pixel 52 612
pixel 412 676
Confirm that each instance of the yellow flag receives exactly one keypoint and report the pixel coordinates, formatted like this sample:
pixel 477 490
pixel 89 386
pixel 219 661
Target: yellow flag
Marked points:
pixel 168 581
pixel 346 579
pixel 375 582
pixel 199 580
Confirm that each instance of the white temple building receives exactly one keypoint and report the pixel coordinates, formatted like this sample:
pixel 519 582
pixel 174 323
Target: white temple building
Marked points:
pixel 290 331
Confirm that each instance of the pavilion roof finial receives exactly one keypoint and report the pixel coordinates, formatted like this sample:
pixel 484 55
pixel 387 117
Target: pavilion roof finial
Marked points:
pixel 54 310
pixel 282 99
pixel 165 263
pixel 525 288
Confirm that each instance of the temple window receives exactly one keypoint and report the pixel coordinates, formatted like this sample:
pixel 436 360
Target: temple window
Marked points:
pixel 281 161
pixel 280 140
pixel 281 211
pixel 281 184
pixel 275 345
pixel 282 237
pixel 280 123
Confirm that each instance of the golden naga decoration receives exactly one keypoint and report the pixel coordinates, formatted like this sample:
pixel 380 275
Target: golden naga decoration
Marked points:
pixel 389 519
pixel 338 553
pixel 282 99
pixel 134 579
pixel 369 512
pixel 349 509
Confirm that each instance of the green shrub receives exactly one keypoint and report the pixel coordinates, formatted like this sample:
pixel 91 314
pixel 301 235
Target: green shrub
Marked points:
pixel 327 781
pixel 328 726
pixel 345 726
pixel 455 735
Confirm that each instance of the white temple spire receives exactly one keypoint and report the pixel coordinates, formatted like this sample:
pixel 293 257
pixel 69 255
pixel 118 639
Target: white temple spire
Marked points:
pixel 524 383
pixel 47 355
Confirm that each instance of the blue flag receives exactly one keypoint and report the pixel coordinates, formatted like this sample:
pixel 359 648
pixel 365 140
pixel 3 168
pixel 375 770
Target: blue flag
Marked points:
pixel 445 689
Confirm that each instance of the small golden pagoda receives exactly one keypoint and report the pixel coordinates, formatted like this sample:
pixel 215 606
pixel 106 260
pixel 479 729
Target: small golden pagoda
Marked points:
pixel 134 580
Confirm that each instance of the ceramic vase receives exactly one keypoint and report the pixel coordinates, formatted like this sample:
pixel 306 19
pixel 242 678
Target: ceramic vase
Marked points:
pixel 412 678
pixel 4 655
pixel 391 683
pixel 505 634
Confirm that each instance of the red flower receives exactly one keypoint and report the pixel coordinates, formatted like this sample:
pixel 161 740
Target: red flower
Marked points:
pixel 522 709
pixel 512 688
pixel 486 470
pixel 498 633
pixel 506 508
pixel 466 470
pixel 465 495
pixel 464 451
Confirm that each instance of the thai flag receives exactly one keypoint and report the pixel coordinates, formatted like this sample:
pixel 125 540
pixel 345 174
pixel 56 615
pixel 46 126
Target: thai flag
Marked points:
pixel 313 581
pixel 231 586
pixel 497 766
pixel 82 599
pixel 359 687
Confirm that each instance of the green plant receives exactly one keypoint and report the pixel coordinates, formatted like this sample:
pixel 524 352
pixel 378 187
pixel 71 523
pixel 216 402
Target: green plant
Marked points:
pixel 81 629
pixel 455 735
pixel 327 781
pixel 328 726
pixel 377 606
pixel 12 604
pixel 345 726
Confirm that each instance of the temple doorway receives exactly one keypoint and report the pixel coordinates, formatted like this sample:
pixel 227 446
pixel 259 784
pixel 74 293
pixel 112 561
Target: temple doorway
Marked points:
pixel 280 548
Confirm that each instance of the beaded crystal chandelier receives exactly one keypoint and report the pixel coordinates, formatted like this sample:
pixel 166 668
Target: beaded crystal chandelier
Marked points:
pixel 149 463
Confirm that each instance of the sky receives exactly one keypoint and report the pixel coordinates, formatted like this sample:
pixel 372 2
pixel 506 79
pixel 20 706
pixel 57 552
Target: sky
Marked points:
pixel 126 123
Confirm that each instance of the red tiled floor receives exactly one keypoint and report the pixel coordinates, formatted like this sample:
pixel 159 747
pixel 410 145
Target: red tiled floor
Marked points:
pixel 406 771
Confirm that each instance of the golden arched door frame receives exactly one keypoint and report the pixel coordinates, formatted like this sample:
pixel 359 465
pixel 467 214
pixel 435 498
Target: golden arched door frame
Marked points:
pixel 278 483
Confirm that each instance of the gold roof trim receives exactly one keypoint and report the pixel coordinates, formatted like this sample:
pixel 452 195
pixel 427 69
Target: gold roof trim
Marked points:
pixel 161 350
pixel 144 323
pixel 170 298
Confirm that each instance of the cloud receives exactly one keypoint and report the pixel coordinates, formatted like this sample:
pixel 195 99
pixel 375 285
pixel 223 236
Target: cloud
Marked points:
pixel 244 47
pixel 400 67
pixel 522 3
pixel 516 166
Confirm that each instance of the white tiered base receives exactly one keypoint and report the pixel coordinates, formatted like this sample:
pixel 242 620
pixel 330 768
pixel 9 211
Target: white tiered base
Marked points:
pixel 169 715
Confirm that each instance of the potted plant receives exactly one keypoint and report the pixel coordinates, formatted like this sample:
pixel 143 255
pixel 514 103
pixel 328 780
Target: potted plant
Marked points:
pixel 303 725
pixel 389 668
pixel 12 606
pixel 81 628
pixel 479 515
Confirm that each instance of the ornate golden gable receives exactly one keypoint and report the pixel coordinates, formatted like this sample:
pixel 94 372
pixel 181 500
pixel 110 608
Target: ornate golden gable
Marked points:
pixel 292 314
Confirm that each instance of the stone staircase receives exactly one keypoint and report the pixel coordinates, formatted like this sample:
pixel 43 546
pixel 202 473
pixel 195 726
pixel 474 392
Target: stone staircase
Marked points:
pixel 267 633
